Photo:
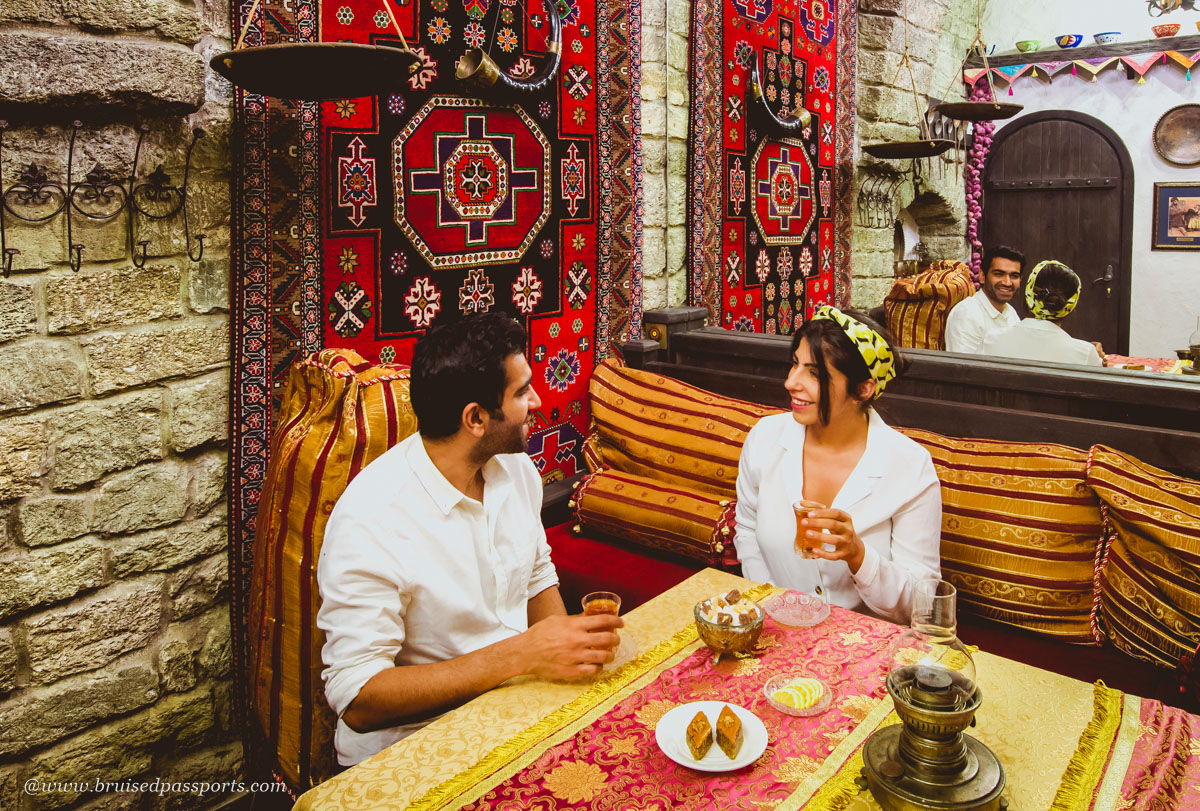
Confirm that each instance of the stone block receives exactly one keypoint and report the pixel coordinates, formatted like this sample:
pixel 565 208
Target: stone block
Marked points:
pixel 676 249
pixel 214 765
pixel 654 187
pixel 679 17
pixel 122 749
pixel 208 284
pixel 177 663
pixel 869 292
pixel 128 801
pixel 677 86
pixel 199 586
pixel 654 256
pixel 8 661
pixel 199 411
pixel 94 631
pixel 654 120
pixel 208 481
pixel 11 781
pixel 93 73
pixel 18 310
pixel 223 706
pixel 654 83
pixel 214 18
pixel 42 715
pixel 52 519
pixel 655 293
pixel 22 456
pixel 40 372
pixel 112 296
pixel 97 437
pixel 654 154
pixel 143 498
pixel 167 19
pixel 677 122
pixel 44 576
pixel 654 45
pixel 216 657
pixel 167 549
pixel 119 360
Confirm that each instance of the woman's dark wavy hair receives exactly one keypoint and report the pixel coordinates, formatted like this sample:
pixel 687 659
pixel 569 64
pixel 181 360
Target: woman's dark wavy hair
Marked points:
pixel 1056 283
pixel 830 345
pixel 459 364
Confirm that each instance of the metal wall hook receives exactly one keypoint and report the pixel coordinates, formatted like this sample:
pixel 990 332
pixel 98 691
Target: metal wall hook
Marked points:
pixel 74 250
pixel 9 253
pixel 75 255
pixel 197 134
pixel 5 251
pixel 139 256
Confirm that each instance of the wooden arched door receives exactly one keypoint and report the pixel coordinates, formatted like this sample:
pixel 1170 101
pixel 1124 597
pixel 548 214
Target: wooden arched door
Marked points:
pixel 1059 185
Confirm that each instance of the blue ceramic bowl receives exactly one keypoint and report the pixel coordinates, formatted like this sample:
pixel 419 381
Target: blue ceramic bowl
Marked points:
pixel 1069 40
pixel 1107 38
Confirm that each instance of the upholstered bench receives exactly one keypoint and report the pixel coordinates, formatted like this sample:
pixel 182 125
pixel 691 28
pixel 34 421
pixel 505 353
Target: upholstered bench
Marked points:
pixel 1076 561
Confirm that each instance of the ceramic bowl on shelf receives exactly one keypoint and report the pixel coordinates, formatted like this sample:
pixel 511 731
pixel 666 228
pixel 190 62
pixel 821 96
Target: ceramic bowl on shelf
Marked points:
pixel 1027 45
pixel 1166 30
pixel 1069 40
pixel 1107 38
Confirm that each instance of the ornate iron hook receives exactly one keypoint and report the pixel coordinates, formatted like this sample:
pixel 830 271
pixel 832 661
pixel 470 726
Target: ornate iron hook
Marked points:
pixel 7 252
pixel 479 71
pixel 74 249
pixel 197 134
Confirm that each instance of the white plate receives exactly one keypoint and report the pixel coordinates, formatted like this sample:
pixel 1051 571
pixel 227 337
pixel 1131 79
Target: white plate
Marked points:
pixel 671 735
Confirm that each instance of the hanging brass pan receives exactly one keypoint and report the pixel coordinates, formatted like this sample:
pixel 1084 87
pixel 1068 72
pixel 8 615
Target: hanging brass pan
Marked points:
pixel 313 71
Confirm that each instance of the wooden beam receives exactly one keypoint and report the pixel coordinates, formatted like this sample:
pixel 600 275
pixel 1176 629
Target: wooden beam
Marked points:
pixel 1186 44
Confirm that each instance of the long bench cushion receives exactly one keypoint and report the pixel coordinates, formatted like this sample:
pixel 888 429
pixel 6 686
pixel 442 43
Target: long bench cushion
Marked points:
pixel 659 515
pixel 1020 529
pixel 660 428
pixel 1150 581
pixel 339 412
pixel 917 307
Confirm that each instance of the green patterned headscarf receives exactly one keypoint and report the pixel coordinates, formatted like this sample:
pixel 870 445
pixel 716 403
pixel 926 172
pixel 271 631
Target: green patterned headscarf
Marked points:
pixel 881 363
pixel 1032 299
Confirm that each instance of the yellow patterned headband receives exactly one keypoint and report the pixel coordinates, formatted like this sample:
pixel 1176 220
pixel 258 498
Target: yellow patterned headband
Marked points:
pixel 1036 307
pixel 881 363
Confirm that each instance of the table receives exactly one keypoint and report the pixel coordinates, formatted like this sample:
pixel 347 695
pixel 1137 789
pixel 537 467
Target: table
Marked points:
pixel 1032 719
pixel 1170 366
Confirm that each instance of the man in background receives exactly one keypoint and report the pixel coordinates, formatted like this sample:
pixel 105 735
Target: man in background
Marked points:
pixel 989 310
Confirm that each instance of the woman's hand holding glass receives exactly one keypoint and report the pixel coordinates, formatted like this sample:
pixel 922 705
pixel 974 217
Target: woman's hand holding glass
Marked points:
pixel 829 527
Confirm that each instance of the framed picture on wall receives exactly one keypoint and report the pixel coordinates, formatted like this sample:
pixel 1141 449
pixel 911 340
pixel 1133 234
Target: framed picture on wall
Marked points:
pixel 1176 217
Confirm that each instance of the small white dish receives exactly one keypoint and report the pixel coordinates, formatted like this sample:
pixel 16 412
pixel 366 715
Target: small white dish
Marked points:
pixel 796 609
pixel 780 681
pixel 671 735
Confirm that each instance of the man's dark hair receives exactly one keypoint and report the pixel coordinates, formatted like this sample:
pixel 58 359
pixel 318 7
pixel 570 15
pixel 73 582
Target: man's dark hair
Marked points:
pixel 462 363
pixel 1002 252
pixel 831 346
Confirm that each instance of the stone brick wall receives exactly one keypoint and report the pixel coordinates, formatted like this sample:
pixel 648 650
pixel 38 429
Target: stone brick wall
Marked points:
pixel 664 144
pixel 939 32
pixel 114 606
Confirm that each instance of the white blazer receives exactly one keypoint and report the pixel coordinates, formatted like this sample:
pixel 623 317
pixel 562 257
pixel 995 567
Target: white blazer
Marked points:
pixel 892 495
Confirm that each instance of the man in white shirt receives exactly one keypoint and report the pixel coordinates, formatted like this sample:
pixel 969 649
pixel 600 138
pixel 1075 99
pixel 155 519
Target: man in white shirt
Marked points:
pixel 988 310
pixel 435 575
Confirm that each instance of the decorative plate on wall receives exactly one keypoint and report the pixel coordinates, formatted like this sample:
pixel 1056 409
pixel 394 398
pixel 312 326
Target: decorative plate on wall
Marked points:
pixel 1177 135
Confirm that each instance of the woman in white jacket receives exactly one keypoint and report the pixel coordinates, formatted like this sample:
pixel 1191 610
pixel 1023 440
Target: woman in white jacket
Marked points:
pixel 881 531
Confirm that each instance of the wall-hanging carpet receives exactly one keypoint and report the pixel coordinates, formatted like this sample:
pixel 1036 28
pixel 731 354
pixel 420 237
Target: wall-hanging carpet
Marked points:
pixel 362 223
pixel 769 208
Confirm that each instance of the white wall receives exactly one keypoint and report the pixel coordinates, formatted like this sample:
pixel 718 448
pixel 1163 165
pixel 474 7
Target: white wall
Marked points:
pixel 1165 286
pixel 1007 21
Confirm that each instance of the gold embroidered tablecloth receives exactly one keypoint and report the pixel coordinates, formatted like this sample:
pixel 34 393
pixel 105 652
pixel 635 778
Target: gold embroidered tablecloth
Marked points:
pixel 1031 718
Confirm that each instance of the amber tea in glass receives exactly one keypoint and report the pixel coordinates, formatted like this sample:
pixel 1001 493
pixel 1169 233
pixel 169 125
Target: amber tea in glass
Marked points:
pixel 602 602
pixel 804 545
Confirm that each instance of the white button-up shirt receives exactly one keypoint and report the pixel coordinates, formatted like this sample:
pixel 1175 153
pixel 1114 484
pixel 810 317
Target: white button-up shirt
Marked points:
pixel 974 319
pixel 893 497
pixel 412 571
pixel 1034 339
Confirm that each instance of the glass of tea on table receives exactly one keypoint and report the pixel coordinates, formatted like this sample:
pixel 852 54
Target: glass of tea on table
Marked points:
pixel 602 602
pixel 807 547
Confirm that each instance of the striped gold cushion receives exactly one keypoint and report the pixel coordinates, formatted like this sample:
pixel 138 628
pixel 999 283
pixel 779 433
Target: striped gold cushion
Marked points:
pixel 917 307
pixel 666 430
pixel 1019 531
pixel 338 414
pixel 656 514
pixel 1150 583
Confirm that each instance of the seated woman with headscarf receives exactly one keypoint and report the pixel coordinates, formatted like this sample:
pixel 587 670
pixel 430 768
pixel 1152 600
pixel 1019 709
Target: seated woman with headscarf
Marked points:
pixel 881 530
pixel 1051 293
